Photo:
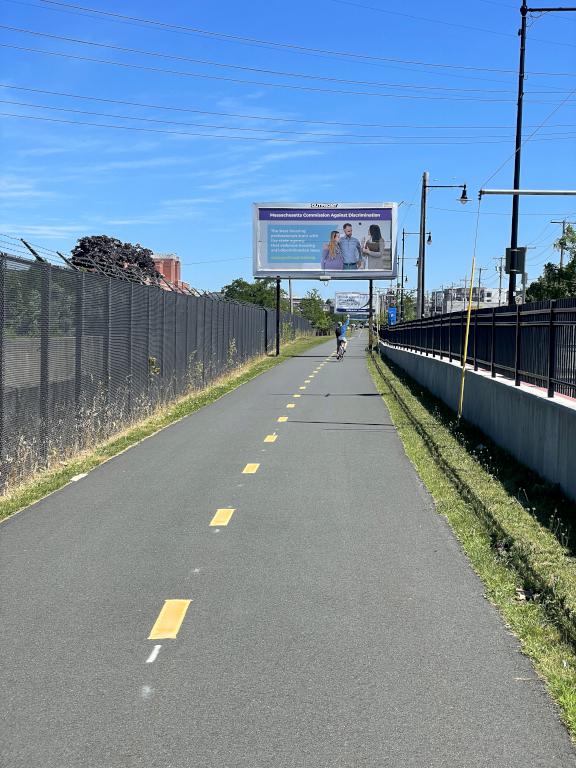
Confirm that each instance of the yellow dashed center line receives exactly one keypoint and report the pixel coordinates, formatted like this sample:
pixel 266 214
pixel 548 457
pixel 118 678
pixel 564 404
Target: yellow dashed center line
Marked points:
pixel 302 387
pixel 222 516
pixel 169 620
pixel 296 395
pixel 271 438
pixel 282 419
pixel 291 405
pixel 250 469
pixel 306 381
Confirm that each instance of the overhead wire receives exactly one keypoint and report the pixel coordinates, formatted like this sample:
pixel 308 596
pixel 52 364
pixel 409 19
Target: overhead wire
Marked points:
pixel 261 118
pixel 433 21
pixel 265 139
pixel 275 44
pixel 402 139
pixel 258 70
pixel 251 83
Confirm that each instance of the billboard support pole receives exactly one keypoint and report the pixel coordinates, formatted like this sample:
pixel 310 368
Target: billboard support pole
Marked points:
pixel 371 314
pixel 277 316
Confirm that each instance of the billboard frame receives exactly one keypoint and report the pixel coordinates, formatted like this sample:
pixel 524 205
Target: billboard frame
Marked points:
pixel 315 274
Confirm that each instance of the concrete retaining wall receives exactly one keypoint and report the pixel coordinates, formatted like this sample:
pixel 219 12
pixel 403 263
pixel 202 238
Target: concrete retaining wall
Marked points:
pixel 538 431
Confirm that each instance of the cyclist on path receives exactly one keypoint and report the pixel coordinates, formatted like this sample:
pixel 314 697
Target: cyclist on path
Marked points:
pixel 340 331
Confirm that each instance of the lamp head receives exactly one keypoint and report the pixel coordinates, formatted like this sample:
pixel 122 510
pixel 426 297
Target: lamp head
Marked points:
pixel 429 240
pixel 464 196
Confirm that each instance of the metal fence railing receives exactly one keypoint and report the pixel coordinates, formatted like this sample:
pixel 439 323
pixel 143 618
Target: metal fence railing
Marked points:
pixel 82 355
pixel 532 343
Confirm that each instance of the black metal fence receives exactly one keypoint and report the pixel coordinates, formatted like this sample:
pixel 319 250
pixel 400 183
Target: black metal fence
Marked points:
pixel 532 343
pixel 82 355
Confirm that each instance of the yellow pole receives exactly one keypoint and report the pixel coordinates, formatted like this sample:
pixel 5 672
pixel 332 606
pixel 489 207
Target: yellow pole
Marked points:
pixel 465 352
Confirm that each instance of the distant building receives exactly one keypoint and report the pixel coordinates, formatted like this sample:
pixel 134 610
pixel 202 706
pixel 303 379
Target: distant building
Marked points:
pixel 168 264
pixel 456 299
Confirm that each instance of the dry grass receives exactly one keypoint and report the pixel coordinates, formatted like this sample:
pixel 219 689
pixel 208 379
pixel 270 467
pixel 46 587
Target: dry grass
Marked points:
pixel 62 469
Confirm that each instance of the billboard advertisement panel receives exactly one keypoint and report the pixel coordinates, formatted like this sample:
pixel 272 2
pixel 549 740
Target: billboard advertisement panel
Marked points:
pixel 355 304
pixel 349 241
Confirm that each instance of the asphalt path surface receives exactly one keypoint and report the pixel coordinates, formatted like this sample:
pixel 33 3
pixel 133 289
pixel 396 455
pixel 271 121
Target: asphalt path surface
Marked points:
pixel 334 621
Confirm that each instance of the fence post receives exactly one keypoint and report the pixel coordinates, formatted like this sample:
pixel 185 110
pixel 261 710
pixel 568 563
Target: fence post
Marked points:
pixel 148 355
pixel 185 372
pixel 450 337
pixel 162 337
pixel 44 358
pixel 551 349
pixel 440 345
pixel 106 344
pixel 475 339
pixel 130 324
pixel 2 335
pixel 493 345
pixel 79 333
pixel 517 348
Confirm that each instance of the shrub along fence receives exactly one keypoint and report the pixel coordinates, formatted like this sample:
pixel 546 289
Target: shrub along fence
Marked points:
pixel 533 343
pixel 83 355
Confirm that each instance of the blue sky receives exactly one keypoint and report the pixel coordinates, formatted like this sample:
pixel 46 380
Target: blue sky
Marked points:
pixel 357 100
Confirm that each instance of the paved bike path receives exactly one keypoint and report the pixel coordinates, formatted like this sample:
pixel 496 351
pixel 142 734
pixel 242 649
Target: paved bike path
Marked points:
pixel 334 621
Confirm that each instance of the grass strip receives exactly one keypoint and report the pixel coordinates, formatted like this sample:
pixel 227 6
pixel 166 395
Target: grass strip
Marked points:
pixel 513 554
pixel 51 480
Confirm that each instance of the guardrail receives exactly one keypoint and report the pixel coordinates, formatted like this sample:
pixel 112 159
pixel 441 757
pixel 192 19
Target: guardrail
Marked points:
pixel 530 343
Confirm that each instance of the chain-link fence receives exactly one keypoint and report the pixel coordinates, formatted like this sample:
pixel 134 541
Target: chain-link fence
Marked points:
pixel 83 355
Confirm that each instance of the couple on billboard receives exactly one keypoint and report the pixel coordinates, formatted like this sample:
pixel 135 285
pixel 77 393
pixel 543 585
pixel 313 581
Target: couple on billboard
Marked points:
pixel 345 252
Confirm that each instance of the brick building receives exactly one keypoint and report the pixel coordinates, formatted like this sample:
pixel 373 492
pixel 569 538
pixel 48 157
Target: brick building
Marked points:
pixel 168 264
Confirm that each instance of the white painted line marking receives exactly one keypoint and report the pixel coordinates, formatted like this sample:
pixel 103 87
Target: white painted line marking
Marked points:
pixel 78 477
pixel 146 692
pixel 153 656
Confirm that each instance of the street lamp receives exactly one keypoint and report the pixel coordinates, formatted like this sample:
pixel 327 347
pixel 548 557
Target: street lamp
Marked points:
pixel 429 241
pixel 422 251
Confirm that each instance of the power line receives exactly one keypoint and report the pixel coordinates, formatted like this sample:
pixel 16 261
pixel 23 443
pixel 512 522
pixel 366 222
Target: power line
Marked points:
pixel 238 81
pixel 402 138
pixel 242 116
pixel 529 138
pixel 291 46
pixel 391 142
pixel 252 83
pixel 434 21
pixel 259 70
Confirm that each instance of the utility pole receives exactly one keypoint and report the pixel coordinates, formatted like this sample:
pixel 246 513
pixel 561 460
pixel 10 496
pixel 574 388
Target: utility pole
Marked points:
pixel 524 10
pixel 480 269
pixel 465 281
pixel 451 296
pixel 500 269
pixel 563 222
pixel 422 248
pixel 518 148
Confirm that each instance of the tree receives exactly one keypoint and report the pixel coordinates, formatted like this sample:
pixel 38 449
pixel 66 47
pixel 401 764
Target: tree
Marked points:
pixel 409 307
pixel 110 254
pixel 312 307
pixel 557 282
pixel 260 292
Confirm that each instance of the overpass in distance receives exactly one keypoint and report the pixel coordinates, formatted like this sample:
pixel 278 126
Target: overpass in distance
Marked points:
pixel 264 583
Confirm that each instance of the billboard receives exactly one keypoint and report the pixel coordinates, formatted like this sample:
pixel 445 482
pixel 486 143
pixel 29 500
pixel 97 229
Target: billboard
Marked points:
pixel 356 304
pixel 348 241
